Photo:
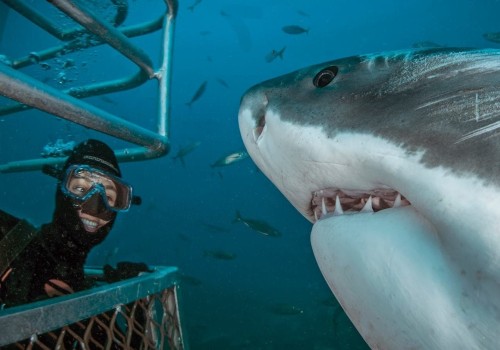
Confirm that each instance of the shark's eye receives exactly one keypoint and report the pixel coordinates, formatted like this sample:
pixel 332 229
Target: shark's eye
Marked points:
pixel 325 76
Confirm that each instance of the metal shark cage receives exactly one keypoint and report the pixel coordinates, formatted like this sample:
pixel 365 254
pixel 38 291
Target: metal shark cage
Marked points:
pixel 139 313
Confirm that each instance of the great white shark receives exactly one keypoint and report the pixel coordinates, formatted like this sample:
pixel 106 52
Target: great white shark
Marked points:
pixel 395 158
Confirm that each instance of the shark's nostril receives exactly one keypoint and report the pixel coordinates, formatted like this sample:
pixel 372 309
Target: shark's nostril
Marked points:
pixel 262 121
pixel 259 126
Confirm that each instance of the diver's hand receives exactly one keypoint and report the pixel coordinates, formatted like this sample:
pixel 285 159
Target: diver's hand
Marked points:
pixel 124 270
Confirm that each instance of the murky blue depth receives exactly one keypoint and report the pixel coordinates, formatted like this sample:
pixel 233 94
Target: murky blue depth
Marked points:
pixel 242 289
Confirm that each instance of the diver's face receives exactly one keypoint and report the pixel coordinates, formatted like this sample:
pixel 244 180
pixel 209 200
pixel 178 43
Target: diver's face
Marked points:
pixel 81 185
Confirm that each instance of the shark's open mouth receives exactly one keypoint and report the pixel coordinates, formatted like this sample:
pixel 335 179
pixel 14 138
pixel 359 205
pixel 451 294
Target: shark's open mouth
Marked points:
pixel 334 201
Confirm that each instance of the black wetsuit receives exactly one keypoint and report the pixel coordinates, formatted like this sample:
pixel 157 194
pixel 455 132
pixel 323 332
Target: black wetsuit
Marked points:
pixel 45 268
pixel 51 266
pixel 52 263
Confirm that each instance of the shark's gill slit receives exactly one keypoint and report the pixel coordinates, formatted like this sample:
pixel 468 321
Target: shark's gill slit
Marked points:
pixel 332 201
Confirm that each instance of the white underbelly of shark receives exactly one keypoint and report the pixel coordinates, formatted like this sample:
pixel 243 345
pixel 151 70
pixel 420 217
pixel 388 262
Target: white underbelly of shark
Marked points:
pixel 399 288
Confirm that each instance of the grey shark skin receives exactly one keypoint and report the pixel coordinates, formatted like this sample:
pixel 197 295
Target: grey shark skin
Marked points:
pixel 424 124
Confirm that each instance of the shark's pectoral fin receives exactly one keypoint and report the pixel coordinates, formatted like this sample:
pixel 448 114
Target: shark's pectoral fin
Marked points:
pixel 370 259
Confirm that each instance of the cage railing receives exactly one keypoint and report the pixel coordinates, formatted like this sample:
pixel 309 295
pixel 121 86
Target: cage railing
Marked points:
pixel 138 313
pixel 66 104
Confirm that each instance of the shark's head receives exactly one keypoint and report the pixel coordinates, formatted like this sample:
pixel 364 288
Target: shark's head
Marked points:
pixel 396 159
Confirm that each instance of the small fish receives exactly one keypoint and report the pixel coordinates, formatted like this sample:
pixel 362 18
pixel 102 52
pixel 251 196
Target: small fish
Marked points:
pixel 258 226
pixel 192 7
pixel 222 82
pixel 271 56
pixel 294 29
pixel 230 159
pixel 302 13
pixel 184 151
pixel 198 93
pixel 493 37
pixel 240 29
pixel 285 309
pixel 219 254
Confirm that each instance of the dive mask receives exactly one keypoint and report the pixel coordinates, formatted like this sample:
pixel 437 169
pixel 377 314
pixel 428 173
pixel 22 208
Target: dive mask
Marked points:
pixel 96 191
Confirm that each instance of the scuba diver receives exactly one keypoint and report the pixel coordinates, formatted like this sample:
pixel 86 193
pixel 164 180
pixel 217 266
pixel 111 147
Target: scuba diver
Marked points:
pixel 39 263
pixel 90 193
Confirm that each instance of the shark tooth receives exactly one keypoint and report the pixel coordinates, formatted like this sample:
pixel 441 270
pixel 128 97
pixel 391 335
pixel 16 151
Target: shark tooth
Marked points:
pixel 397 201
pixel 338 207
pixel 368 206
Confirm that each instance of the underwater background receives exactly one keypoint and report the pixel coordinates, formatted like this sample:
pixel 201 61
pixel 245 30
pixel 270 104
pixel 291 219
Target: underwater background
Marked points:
pixel 240 288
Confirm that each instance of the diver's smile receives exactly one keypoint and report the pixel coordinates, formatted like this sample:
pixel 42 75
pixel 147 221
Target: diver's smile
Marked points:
pixel 91 223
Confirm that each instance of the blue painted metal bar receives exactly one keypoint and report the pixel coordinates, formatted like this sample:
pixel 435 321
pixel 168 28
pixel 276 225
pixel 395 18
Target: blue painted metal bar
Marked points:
pixel 27 90
pixel 165 73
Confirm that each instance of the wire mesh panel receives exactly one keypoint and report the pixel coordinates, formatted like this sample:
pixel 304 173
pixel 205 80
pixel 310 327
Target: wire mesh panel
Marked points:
pixel 152 321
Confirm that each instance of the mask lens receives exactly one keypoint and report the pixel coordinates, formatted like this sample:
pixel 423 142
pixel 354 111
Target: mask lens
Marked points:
pixel 96 206
pixel 81 182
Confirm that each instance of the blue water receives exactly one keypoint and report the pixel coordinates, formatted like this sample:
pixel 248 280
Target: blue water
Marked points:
pixel 227 304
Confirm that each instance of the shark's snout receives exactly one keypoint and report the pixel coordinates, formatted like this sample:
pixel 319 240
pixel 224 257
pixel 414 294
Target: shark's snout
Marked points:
pixel 252 115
